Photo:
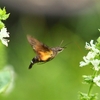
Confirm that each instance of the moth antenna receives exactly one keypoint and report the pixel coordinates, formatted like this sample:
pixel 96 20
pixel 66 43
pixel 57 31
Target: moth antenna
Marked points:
pixel 61 43
pixel 66 44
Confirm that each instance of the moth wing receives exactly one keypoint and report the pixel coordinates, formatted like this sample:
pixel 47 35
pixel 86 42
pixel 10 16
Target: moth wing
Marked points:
pixel 33 42
pixel 42 51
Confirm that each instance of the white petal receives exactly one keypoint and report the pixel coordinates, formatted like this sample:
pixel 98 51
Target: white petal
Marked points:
pixel 82 63
pixel 96 80
pixel 91 43
pixel 87 46
pixel 5 42
pixel 3 34
pixel 91 55
pixel 96 63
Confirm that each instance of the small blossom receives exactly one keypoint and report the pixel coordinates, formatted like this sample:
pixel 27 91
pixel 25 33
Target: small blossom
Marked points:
pixel 90 56
pixel 3 35
pixel 96 80
pixel 85 62
pixel 91 46
pixel 95 50
pixel 82 63
pixel 87 59
pixel 96 64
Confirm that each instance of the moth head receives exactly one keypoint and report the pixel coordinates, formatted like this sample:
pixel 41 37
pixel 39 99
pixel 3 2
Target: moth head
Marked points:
pixel 58 49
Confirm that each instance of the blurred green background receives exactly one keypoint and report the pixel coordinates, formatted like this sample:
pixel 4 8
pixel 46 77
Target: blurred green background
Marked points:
pixel 61 78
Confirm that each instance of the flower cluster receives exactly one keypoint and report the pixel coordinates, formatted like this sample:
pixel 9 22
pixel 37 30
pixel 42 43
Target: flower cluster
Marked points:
pixel 3 31
pixel 93 58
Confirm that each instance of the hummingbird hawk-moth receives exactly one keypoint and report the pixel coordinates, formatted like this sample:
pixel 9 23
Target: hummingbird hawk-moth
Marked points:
pixel 43 52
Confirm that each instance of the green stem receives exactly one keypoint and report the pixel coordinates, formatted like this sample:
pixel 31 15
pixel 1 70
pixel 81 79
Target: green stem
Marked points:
pixel 91 85
pixel 90 88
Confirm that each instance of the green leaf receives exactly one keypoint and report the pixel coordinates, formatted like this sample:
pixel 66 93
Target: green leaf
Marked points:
pixel 84 96
pixel 1 25
pixel 98 43
pixel 3 15
pixel 88 79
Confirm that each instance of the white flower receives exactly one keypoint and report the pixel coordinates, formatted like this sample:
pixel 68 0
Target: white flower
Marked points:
pixel 85 62
pixel 96 80
pixel 91 55
pixel 87 59
pixel 3 35
pixel 96 64
pixel 82 63
pixel 91 46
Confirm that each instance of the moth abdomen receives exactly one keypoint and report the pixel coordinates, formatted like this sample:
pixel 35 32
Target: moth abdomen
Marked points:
pixel 33 61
